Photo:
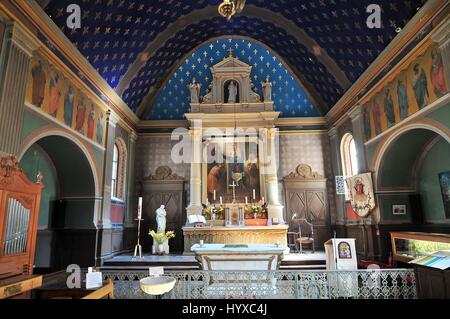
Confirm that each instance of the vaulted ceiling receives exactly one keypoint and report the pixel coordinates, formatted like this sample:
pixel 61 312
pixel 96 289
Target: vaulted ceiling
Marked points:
pixel 136 45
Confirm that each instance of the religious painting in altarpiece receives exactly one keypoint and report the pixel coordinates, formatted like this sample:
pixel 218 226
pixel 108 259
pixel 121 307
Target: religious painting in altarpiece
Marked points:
pixel 419 82
pixel 228 161
pixel 52 92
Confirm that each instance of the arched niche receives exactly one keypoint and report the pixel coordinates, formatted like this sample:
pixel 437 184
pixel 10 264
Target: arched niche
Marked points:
pixel 66 231
pixel 407 173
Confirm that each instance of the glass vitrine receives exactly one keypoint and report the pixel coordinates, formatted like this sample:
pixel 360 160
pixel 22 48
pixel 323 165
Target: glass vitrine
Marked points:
pixel 407 246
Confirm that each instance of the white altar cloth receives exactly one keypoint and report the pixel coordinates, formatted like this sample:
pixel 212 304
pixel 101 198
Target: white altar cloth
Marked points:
pixel 235 257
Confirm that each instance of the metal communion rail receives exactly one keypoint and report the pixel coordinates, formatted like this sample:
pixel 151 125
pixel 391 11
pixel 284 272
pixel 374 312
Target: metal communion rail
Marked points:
pixel 360 284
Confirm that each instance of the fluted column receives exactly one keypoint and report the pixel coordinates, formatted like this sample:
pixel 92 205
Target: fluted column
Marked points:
pixel 337 171
pixel 131 196
pixel 105 218
pixel 274 207
pixel 442 37
pixel 356 116
pixel 195 191
pixel 20 50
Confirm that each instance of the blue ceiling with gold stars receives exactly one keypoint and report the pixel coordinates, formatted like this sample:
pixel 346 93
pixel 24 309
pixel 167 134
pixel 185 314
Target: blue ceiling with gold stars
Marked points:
pixel 289 98
pixel 114 33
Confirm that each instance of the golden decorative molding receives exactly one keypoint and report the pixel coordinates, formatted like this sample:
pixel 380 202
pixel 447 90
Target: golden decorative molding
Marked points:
pixel 164 173
pixel 303 171
pixel 30 16
pixel 430 10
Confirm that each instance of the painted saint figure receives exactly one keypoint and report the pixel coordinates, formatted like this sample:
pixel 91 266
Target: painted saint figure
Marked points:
pixel 376 117
pixel 232 92
pixel 437 73
pixel 68 107
pixel 100 128
pixel 55 95
pixel 402 95
pixel 38 89
pixel 81 115
pixel 91 123
pixel 389 108
pixel 194 89
pixel 215 179
pixel 420 86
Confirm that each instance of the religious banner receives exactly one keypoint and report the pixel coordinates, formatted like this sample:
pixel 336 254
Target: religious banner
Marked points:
pixel 361 191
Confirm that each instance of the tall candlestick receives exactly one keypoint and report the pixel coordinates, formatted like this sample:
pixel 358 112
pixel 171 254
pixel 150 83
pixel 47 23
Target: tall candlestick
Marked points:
pixel 254 194
pixel 220 198
pixel 139 216
pixel 214 195
pixel 246 200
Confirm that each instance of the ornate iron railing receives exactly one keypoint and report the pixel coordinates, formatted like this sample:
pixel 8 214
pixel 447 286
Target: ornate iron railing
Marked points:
pixel 360 284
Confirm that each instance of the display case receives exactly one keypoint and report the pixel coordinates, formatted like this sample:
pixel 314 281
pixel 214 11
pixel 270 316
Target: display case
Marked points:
pixel 407 246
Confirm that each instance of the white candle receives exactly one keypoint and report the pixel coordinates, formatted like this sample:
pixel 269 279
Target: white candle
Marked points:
pixel 214 195
pixel 263 200
pixel 220 198
pixel 201 243
pixel 246 200
pixel 254 194
pixel 139 216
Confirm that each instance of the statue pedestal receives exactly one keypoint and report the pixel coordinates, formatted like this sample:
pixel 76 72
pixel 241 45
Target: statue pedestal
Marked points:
pixel 156 250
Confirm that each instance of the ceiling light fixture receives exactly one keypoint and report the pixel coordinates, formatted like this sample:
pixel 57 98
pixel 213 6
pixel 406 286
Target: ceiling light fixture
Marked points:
pixel 229 8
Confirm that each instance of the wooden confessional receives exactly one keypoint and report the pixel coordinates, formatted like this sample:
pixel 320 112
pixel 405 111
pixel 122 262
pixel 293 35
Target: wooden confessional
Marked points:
pixel 19 210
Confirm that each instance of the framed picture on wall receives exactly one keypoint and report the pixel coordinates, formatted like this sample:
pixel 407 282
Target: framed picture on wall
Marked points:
pixel 444 181
pixel 398 209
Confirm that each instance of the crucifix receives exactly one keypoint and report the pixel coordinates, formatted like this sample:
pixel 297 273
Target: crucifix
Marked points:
pixel 234 185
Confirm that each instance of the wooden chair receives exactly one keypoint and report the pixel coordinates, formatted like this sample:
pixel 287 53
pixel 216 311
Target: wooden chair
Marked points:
pixel 105 291
pixel 305 234
pixel 293 233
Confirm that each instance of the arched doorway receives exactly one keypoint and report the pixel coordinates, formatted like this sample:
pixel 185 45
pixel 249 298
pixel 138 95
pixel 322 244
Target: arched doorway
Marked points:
pixel 407 178
pixel 66 230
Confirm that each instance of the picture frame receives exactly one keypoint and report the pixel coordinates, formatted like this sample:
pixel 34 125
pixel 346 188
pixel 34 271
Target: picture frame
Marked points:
pixel 399 209
pixel 444 182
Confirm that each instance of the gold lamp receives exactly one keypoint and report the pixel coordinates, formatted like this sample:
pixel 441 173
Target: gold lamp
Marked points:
pixel 229 8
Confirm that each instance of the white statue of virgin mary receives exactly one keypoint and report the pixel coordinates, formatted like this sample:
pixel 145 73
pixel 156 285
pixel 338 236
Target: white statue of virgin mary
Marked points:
pixel 161 219
pixel 232 92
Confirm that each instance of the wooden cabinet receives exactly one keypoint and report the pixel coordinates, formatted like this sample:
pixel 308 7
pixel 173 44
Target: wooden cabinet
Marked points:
pixel 306 197
pixel 163 188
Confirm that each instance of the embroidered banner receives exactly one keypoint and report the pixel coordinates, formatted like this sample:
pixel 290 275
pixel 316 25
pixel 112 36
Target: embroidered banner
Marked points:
pixel 361 191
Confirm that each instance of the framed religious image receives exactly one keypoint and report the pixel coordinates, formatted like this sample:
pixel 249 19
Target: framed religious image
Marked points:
pixel 344 250
pixel 234 216
pixel 398 209
pixel 231 170
pixel 444 182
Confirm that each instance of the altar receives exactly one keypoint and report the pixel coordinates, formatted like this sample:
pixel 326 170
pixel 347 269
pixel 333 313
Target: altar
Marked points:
pixel 233 159
pixel 239 256
pixel 268 235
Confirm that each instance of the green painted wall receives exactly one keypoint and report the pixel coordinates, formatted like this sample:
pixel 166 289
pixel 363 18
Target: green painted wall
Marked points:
pixel 399 161
pixel 387 201
pixel 442 115
pixel 33 161
pixel 437 161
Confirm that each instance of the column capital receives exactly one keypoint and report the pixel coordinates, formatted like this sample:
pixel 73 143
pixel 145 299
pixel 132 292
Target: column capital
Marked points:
pixel 23 40
pixel 333 132
pixel 133 137
pixel 355 113
pixel 442 34
pixel 111 119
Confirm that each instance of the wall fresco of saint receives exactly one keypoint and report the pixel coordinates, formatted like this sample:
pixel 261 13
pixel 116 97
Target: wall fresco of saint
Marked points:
pixel 49 90
pixel 419 84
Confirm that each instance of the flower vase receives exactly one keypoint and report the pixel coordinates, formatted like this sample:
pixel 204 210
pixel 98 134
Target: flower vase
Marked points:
pixel 160 249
